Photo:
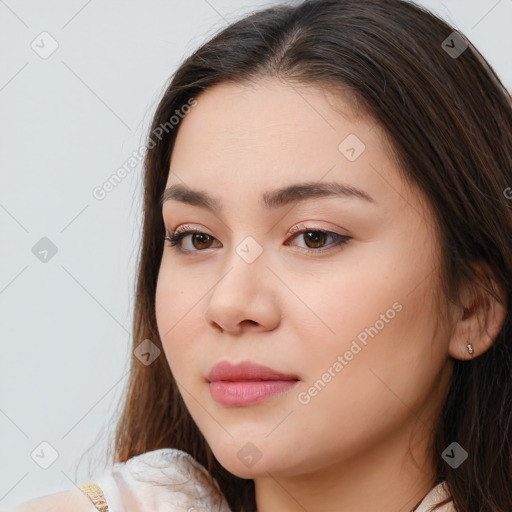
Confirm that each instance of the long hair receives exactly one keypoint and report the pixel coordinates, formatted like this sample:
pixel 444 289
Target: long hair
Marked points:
pixel 449 120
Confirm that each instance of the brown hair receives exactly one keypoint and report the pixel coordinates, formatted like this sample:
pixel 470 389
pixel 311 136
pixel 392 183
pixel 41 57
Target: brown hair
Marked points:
pixel 449 120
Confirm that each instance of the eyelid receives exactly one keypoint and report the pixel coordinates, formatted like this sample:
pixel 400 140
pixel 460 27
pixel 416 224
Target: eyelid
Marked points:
pixel 304 226
pixel 185 230
pixel 187 227
pixel 294 230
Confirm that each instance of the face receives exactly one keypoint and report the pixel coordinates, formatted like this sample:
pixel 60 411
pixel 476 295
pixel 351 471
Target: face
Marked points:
pixel 334 290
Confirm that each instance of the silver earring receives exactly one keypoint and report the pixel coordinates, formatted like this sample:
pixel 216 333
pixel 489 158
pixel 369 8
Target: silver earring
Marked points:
pixel 470 348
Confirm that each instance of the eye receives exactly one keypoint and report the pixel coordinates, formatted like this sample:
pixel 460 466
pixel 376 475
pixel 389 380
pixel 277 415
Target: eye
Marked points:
pixel 176 238
pixel 315 240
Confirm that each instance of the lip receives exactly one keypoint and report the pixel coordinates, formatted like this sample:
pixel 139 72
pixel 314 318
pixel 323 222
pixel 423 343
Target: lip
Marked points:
pixel 247 383
pixel 246 370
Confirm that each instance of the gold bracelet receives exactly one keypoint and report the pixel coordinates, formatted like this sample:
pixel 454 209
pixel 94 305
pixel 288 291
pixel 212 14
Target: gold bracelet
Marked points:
pixel 95 494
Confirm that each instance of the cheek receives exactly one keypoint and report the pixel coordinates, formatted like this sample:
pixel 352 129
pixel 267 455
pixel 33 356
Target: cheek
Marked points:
pixel 384 335
pixel 176 297
pixel 377 313
pixel 343 304
pixel 173 306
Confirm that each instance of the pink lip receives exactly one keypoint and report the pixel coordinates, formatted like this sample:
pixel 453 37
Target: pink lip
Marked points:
pixel 246 383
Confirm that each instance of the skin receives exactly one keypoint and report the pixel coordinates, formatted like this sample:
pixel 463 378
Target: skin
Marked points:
pixel 296 312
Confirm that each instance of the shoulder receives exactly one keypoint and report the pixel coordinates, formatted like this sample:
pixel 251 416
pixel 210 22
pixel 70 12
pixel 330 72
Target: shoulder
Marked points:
pixel 165 466
pixel 166 475
pixel 166 480
pixel 58 502
pixel 439 493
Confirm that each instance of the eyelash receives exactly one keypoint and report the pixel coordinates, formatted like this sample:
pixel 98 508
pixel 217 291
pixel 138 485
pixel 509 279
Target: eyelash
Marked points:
pixel 176 237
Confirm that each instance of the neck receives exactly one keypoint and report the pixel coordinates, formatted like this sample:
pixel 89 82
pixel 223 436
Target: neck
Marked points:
pixel 382 479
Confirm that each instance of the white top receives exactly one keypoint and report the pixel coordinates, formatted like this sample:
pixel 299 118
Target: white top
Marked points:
pixel 170 480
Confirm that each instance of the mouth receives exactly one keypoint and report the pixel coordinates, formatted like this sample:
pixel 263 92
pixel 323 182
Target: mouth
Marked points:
pixel 247 383
pixel 248 392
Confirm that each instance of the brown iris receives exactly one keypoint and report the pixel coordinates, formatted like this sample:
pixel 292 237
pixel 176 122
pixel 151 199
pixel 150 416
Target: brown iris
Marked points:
pixel 318 238
pixel 203 239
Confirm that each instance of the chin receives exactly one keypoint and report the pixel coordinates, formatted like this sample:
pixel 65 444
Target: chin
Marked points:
pixel 245 459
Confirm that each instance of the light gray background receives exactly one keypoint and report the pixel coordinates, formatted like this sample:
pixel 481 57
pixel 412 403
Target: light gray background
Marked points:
pixel 67 123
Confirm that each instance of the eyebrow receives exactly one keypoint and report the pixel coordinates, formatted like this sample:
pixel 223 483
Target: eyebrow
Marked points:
pixel 272 199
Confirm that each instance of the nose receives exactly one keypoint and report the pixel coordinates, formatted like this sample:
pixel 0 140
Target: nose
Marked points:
pixel 244 298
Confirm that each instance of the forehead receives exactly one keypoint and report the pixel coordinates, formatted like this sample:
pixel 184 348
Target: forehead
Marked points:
pixel 281 117
pixel 247 139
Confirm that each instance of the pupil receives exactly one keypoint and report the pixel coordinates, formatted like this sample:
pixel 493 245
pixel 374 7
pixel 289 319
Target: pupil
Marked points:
pixel 317 236
pixel 204 237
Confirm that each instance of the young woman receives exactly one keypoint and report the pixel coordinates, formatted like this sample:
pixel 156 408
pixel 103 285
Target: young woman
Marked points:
pixel 325 270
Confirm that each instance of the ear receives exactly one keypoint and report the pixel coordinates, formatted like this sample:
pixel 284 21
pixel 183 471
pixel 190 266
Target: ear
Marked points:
pixel 480 318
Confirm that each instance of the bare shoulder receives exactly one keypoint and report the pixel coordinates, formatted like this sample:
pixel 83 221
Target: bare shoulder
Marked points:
pixel 63 501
